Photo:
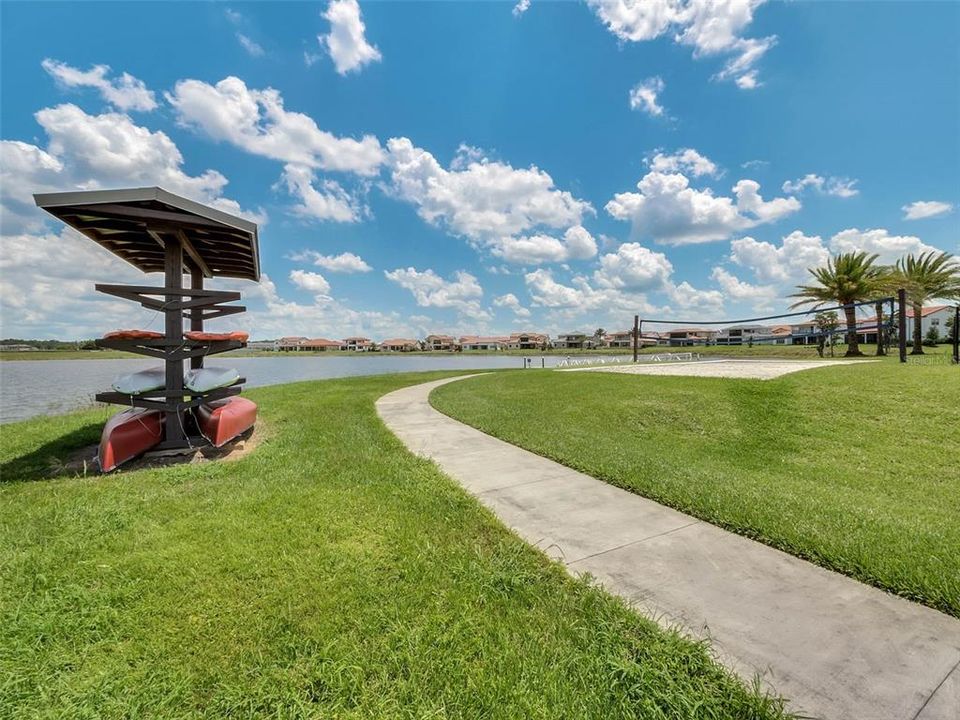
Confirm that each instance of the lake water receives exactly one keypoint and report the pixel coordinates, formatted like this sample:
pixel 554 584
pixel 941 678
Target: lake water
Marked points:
pixel 48 387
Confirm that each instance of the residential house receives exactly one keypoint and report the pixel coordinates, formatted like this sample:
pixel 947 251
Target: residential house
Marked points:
pixel 781 335
pixel 440 343
pixel 528 341
pixel 685 337
pixel 399 345
pixel 742 334
pixel 263 345
pixel 573 341
pixel 321 345
pixel 481 342
pixel 624 339
pixel 934 316
pixel 291 344
pixel 358 344
pixel 804 333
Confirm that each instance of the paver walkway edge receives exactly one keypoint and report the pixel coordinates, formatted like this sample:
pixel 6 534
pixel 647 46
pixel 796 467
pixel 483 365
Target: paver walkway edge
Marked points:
pixel 834 647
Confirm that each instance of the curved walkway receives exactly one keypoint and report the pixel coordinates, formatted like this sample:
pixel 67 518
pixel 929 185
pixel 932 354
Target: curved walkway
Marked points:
pixel 834 647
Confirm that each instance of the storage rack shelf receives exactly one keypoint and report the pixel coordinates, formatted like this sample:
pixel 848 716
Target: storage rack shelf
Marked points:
pixel 157 231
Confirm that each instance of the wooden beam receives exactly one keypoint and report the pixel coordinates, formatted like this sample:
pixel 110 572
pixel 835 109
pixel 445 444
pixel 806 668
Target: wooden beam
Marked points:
pixel 194 255
pixel 173 326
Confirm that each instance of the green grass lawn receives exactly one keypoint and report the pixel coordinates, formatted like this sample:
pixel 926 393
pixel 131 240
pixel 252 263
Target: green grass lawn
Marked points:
pixel 328 574
pixel 855 468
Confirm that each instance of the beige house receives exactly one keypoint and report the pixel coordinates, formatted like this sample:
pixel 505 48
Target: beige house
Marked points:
pixel 483 342
pixel 528 341
pixel 440 343
pixel 358 344
pixel 573 341
pixel 321 345
pixel 291 344
pixel 685 337
pixel 399 345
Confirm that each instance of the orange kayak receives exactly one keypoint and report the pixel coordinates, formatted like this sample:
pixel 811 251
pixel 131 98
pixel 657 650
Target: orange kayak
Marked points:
pixel 128 434
pixel 222 420
pixel 133 335
pixel 216 337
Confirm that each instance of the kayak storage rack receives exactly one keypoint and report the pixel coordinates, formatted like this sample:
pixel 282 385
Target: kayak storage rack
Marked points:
pixel 159 232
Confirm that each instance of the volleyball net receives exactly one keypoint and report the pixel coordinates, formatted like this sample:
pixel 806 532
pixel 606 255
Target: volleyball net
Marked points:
pixel 821 330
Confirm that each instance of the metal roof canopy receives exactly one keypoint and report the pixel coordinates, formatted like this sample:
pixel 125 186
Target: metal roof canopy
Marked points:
pixel 132 224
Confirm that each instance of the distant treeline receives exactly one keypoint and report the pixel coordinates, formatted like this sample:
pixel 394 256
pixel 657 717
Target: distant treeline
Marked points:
pixel 52 344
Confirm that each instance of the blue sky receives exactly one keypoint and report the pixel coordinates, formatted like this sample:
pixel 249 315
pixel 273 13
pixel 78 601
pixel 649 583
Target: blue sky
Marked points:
pixel 484 167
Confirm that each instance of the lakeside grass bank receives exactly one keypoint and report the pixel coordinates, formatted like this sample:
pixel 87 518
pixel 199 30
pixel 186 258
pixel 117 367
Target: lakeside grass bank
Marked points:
pixel 330 573
pixel 854 468
pixel 760 351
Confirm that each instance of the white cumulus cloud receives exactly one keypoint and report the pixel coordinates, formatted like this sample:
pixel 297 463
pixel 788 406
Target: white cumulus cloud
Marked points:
pixel 512 303
pixel 787 262
pixel 672 212
pixel 878 240
pixel 430 290
pixel 838 187
pixel 346 262
pixel 310 281
pixel 644 96
pixel 330 202
pixel 634 267
pixel 491 203
pixel 711 27
pixel 125 92
pixel 257 121
pixel 925 209
pixel 576 244
pixel 686 160
pixel 346 43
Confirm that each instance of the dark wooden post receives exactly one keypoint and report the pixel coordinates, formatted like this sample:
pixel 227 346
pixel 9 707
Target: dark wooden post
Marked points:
pixel 196 314
pixel 956 334
pixel 636 337
pixel 902 323
pixel 173 280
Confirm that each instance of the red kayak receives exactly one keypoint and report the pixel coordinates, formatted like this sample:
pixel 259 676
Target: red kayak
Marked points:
pixel 128 434
pixel 222 420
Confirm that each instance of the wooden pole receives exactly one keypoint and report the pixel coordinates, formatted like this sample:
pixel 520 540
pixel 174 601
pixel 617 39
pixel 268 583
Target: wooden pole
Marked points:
pixel 636 337
pixel 196 314
pixel 173 328
pixel 956 334
pixel 902 323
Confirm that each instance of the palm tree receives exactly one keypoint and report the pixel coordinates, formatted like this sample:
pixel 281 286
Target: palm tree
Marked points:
pixel 931 275
pixel 847 279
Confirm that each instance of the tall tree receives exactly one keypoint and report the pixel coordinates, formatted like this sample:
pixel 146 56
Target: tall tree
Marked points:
pixel 847 279
pixel 931 275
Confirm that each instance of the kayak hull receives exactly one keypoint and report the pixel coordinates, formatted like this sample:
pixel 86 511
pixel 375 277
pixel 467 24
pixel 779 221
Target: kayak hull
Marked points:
pixel 223 420
pixel 128 434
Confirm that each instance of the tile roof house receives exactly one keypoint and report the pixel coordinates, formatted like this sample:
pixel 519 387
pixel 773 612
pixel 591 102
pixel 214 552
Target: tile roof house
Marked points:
pixel 689 336
pixel 321 345
pixel 528 341
pixel 573 341
pixel 291 344
pixel 484 342
pixel 358 344
pixel 445 343
pixel 399 345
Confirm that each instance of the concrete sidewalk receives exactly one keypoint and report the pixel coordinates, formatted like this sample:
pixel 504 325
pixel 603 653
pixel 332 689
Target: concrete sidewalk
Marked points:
pixel 834 647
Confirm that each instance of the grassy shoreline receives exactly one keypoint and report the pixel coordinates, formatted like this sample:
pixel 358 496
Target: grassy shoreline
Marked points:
pixel 852 468
pixel 760 351
pixel 330 573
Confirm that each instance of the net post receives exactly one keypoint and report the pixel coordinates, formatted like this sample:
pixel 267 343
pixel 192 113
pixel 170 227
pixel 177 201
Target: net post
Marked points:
pixel 956 335
pixel 636 337
pixel 902 323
